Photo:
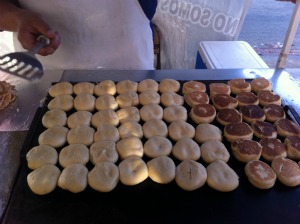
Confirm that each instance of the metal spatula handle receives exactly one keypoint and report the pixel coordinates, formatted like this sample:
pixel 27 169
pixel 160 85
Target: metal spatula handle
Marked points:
pixel 42 41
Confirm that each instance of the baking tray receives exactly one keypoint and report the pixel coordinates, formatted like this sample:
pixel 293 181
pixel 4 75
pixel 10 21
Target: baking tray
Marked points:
pixel 149 202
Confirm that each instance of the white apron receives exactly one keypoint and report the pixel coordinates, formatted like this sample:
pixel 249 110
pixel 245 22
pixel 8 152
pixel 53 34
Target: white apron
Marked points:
pixel 96 34
pixel 182 24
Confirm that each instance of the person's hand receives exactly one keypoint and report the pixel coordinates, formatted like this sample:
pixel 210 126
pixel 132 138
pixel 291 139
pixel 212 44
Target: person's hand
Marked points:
pixel 31 25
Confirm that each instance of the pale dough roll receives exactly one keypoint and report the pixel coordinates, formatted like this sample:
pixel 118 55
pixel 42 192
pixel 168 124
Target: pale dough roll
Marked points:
pixel 126 86
pixel 84 101
pixel 147 84
pixel 73 178
pixel 221 177
pixel 107 132
pixel 79 118
pixel 105 87
pixel 41 155
pixel 157 146
pixel 84 87
pixel 55 136
pixel 105 117
pixel 129 113
pixel 55 117
pixel 101 151
pixel 131 146
pixel 168 85
pixel 44 179
pixel 149 97
pixel 82 134
pixel 104 177
pixel 133 170
pixel 74 153
pixel 155 127
pixel 213 150
pixel 151 111
pixel 171 98
pixel 175 112
pixel 106 102
pixel 181 129
pixel 129 129
pixel 61 88
pixel 63 102
pixel 190 175
pixel 205 132
pixel 128 99
pixel 161 169
pixel 186 149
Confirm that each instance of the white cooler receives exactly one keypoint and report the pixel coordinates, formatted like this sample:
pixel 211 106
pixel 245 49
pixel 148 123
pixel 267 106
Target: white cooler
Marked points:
pixel 229 54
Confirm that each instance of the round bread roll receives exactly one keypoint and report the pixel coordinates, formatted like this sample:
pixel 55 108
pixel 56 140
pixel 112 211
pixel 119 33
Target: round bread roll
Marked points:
pixel 157 146
pixel 266 97
pixel 260 174
pixel 41 155
pixel 133 170
pixel 286 127
pixel 146 85
pixel 245 150
pixel 228 116
pixel 175 112
pixel 129 113
pixel 222 101
pixel 293 147
pixel 196 97
pixel 251 113
pixel 161 169
pixel 55 136
pixel 168 85
pixel 106 102
pixel 128 99
pixel 131 146
pixel 130 128
pixel 151 111
pixel 274 112
pixel 55 117
pixel 271 148
pixel 155 127
pixel 190 175
pixel 105 117
pixel 186 149
pixel 246 98
pixel 181 129
pixel 126 86
pixel 205 132
pixel 218 88
pixel 74 153
pixel 221 177
pixel 61 88
pixel 203 113
pixel 212 150
pixel 259 84
pixel 73 178
pixel 192 86
pixel 105 87
pixel 43 180
pixel 84 87
pixel 82 134
pixel 171 98
pixel 239 85
pixel 104 177
pixel 149 97
pixel 235 131
pixel 84 101
pixel 79 118
pixel 287 171
pixel 107 132
pixel 63 102
pixel 262 129
pixel 103 150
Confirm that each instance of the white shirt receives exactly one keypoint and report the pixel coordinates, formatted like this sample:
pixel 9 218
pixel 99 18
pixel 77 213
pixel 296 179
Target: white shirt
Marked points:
pixel 96 34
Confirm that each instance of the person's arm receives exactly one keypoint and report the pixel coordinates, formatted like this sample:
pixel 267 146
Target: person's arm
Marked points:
pixel 28 25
